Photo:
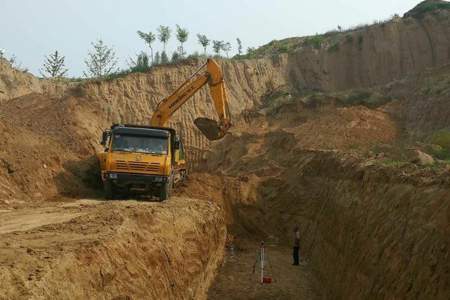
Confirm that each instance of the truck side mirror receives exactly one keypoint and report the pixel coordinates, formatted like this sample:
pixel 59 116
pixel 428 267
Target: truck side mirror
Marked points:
pixel 105 137
pixel 176 145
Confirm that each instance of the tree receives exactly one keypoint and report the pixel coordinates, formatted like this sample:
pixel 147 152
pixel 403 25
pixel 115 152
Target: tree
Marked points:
pixel 101 60
pixel 54 66
pixel 226 47
pixel 164 35
pixel 182 36
pixel 141 64
pixel 2 53
pixel 164 58
pixel 239 46
pixel 157 58
pixel 148 38
pixel 175 57
pixel 204 41
pixel 218 46
pixel 251 50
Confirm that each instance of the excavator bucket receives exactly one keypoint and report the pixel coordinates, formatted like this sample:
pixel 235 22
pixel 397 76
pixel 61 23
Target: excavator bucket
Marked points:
pixel 209 128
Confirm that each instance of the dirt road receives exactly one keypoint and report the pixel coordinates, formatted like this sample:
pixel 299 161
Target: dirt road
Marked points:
pixel 239 276
pixel 91 249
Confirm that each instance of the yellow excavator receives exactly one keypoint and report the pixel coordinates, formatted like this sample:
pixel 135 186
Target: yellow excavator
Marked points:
pixel 149 159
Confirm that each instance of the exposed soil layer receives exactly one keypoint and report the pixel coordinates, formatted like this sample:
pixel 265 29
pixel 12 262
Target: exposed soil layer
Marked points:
pixel 369 229
pixel 111 250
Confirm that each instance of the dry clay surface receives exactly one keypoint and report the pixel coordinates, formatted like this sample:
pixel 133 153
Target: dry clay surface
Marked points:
pixel 90 249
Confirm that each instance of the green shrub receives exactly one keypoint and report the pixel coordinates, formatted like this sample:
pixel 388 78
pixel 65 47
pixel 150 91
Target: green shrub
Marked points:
pixel 283 49
pixel 436 86
pixel 314 41
pixel 442 138
pixel 334 47
pixel 360 42
pixel 440 147
pixel 349 38
pixel 426 7
pixel 439 152
pixel 363 97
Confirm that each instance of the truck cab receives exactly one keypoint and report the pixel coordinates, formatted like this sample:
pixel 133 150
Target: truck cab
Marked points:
pixel 141 159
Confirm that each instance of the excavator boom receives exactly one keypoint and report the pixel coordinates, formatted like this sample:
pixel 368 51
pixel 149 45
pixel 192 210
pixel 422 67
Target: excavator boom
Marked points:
pixel 213 77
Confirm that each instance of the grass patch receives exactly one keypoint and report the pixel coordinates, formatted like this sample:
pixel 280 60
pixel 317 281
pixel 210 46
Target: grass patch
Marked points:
pixel 362 97
pixel 438 145
pixel 436 86
pixel 275 47
pixel 393 163
pixel 314 41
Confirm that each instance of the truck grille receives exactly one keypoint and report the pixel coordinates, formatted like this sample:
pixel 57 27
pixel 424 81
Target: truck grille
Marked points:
pixel 137 166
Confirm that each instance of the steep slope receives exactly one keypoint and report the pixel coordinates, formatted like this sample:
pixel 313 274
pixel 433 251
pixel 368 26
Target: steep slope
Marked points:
pixel 367 55
pixel 16 83
pixel 370 228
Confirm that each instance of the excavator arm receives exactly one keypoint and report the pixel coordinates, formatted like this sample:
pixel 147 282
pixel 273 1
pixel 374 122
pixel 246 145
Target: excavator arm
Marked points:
pixel 213 77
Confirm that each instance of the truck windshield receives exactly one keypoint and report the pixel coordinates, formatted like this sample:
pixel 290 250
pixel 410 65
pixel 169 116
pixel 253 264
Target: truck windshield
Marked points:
pixel 143 144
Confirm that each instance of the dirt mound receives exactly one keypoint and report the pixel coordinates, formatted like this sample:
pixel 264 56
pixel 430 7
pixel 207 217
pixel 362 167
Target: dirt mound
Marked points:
pixel 15 83
pixel 45 149
pixel 334 127
pixel 119 250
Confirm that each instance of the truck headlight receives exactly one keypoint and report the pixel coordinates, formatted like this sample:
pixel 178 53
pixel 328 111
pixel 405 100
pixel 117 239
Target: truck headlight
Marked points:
pixel 158 179
pixel 113 176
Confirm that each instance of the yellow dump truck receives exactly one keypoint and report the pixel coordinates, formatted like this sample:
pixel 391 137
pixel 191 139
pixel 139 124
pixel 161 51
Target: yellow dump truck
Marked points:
pixel 149 159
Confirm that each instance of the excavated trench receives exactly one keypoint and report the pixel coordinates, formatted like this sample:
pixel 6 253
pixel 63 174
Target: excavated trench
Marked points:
pixel 367 231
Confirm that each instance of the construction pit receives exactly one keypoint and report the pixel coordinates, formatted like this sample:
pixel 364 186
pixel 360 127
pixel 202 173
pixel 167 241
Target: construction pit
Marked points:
pixel 343 157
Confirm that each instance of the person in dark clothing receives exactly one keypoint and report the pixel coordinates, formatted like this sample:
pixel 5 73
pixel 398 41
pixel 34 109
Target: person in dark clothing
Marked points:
pixel 296 247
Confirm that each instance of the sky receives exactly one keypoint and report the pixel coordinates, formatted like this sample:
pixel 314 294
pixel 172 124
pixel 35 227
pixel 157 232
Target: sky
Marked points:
pixel 31 29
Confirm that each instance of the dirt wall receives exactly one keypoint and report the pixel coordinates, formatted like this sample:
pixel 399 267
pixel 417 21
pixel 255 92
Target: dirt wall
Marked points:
pixel 101 250
pixel 375 54
pixel 370 232
pixel 16 83
pixel 371 228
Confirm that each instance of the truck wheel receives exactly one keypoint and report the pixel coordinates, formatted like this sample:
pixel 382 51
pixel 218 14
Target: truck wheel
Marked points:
pixel 166 189
pixel 108 189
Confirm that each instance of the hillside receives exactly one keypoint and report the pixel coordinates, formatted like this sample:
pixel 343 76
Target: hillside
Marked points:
pixel 345 134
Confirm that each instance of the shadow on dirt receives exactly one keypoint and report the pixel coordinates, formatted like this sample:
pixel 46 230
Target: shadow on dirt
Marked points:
pixel 80 178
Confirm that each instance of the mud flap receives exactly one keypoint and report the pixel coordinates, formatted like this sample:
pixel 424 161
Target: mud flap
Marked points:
pixel 209 128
